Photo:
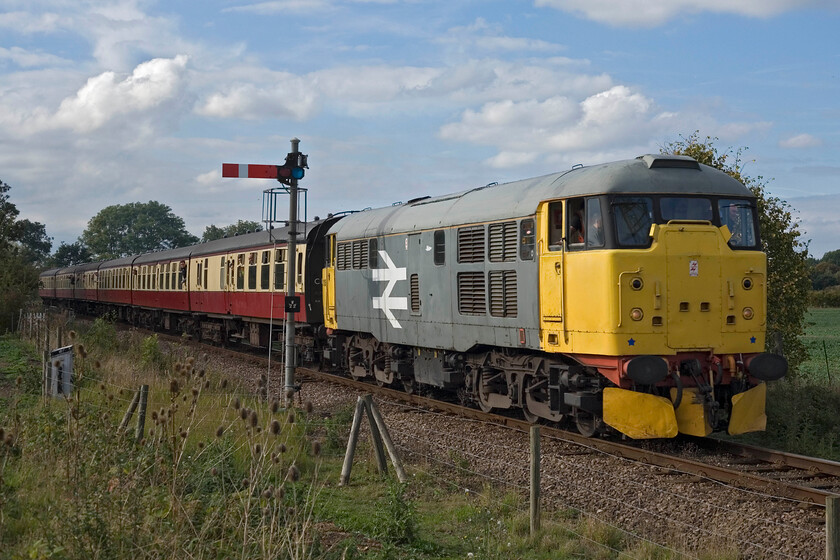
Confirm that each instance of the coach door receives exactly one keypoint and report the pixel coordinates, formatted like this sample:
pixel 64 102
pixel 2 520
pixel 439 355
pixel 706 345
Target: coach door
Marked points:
pixel 551 258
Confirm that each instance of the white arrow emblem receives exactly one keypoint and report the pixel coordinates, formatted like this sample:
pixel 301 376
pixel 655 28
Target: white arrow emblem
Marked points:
pixel 392 275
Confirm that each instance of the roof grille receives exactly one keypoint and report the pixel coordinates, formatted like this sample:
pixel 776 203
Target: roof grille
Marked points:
pixel 662 161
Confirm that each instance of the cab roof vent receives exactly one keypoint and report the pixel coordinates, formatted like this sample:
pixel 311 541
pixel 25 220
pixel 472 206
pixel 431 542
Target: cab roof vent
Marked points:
pixel 661 161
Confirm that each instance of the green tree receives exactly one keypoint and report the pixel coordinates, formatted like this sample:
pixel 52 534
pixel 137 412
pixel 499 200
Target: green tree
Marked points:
pixel 71 253
pixel 824 274
pixel 9 227
pixel 18 278
pixel 788 281
pixel 213 232
pixel 129 229
pixel 832 257
pixel 34 244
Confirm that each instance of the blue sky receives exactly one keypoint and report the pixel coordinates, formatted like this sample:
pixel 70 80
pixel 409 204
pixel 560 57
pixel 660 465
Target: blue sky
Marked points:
pixel 110 102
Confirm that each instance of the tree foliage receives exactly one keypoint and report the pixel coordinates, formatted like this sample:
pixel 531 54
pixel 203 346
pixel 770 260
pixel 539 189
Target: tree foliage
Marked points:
pixel 129 229
pixel 18 276
pixel 69 254
pixel 34 244
pixel 213 232
pixel 787 270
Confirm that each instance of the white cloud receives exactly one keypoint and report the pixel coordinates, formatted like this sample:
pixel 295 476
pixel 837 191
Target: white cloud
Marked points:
pixel 26 22
pixel 527 130
pixel 283 6
pixel 800 141
pixel 651 13
pixel 486 37
pixel 287 98
pixel 106 96
pixel 28 59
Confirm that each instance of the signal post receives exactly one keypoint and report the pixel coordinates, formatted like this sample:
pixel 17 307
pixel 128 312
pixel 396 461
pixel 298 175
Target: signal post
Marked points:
pixel 289 173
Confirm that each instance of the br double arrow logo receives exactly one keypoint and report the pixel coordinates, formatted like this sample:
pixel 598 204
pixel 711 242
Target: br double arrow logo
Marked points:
pixel 387 302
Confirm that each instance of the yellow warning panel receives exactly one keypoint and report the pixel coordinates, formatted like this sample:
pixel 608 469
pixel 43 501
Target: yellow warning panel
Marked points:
pixel 639 415
pixel 748 411
pixel 691 414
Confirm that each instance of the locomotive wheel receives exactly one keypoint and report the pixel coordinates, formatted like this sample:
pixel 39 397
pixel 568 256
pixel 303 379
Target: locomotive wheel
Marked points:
pixel 529 416
pixel 588 424
pixel 483 396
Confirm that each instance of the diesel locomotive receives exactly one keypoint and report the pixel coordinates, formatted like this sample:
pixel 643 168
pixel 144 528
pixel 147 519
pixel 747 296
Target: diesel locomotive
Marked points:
pixel 628 296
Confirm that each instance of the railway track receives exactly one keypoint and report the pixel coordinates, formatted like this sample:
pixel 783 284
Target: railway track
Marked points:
pixel 775 473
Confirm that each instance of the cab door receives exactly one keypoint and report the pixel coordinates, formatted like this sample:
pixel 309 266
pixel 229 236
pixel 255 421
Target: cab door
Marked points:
pixel 328 286
pixel 551 274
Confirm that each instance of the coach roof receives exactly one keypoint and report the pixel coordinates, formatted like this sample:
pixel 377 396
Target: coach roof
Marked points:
pixel 517 199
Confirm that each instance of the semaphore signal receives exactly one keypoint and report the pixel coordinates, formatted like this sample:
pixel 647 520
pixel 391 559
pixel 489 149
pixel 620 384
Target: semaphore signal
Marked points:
pixel 289 173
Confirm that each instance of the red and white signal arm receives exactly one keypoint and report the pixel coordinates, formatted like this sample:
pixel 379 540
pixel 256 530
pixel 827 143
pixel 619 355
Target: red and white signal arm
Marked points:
pixel 249 171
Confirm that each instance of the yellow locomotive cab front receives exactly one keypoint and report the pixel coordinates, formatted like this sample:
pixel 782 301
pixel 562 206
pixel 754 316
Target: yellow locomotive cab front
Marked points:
pixel 683 297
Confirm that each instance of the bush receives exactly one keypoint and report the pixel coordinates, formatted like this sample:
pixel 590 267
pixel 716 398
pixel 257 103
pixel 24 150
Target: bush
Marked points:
pixel 829 297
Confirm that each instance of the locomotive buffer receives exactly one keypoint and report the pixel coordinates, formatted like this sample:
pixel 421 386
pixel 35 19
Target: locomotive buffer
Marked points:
pixel 289 173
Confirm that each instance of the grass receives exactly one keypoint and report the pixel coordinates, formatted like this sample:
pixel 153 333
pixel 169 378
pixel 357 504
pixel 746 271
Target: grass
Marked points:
pixel 802 408
pixel 822 340
pixel 221 474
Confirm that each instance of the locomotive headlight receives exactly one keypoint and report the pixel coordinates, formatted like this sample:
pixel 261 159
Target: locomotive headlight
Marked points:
pixel 636 283
pixel 748 313
pixel 747 283
pixel 636 314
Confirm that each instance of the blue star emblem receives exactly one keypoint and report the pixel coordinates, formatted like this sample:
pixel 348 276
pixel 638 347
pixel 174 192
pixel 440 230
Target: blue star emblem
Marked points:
pixel 752 340
pixel 631 342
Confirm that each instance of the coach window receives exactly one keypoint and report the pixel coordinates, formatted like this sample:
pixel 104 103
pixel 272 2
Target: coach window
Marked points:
pixel 527 239
pixel 440 247
pixel 204 277
pixel 198 273
pixel 373 254
pixel 279 269
pixel 252 271
pixel 240 272
pixel 222 274
pixel 299 269
pixel 265 270
pixel 166 276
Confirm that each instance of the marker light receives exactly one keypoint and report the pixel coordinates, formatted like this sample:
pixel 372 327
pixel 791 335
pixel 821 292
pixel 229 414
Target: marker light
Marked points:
pixel 748 313
pixel 636 314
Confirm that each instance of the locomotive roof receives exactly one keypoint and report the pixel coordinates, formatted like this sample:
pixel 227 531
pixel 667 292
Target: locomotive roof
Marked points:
pixel 648 174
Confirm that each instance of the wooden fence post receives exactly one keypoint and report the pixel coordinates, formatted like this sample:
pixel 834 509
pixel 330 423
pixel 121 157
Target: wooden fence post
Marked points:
pixel 130 412
pixel 535 480
pixel 832 527
pixel 381 462
pixel 389 444
pixel 141 414
pixel 351 443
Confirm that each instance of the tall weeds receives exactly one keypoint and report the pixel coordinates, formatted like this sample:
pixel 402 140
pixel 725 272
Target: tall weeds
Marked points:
pixel 218 474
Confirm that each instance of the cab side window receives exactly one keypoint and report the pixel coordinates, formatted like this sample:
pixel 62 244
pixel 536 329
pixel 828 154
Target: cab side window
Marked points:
pixel 575 223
